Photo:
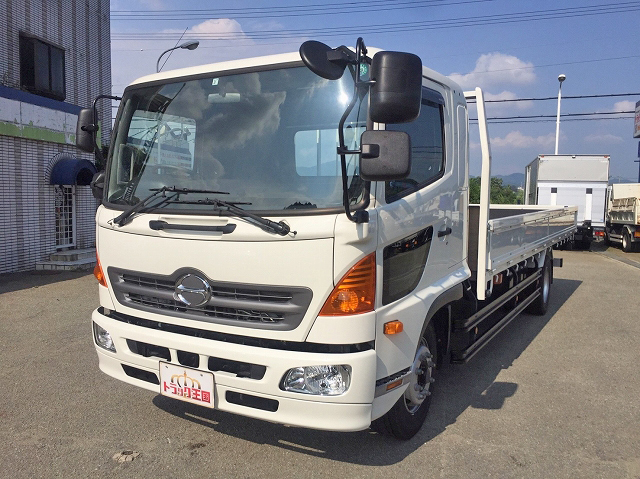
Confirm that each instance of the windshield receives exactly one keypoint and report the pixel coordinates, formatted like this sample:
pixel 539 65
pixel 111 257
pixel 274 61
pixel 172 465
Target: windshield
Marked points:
pixel 267 138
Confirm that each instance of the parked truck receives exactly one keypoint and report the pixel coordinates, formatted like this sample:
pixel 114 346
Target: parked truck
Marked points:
pixel 579 180
pixel 289 238
pixel 623 216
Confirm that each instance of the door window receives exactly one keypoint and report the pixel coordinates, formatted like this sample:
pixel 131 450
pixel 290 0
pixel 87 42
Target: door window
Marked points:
pixel 427 147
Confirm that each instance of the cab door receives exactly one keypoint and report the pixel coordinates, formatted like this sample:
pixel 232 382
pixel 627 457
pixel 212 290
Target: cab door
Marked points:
pixel 419 244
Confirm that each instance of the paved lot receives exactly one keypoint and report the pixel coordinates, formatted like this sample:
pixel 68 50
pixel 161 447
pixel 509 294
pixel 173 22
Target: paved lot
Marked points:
pixel 556 396
pixel 616 253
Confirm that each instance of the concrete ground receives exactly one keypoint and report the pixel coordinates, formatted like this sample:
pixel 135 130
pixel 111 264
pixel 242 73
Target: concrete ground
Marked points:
pixel 555 396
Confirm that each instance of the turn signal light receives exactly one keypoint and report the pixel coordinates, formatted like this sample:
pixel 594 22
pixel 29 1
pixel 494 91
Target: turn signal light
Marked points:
pixel 97 272
pixel 393 327
pixel 394 384
pixel 355 292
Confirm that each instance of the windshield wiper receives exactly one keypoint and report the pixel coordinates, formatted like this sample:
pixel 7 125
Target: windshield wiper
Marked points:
pixel 122 218
pixel 280 227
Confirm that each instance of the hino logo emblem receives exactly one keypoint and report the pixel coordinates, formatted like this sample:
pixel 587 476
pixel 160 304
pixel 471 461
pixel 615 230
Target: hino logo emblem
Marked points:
pixel 192 290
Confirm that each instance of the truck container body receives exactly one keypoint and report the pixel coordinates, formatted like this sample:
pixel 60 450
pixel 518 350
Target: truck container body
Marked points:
pixel 623 216
pixel 239 273
pixel 579 180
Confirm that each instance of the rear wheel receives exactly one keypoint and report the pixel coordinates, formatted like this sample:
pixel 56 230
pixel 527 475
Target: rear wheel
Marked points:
pixel 627 245
pixel 408 414
pixel 540 305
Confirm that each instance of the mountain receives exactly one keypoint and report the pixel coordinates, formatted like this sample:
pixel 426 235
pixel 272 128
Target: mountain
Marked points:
pixel 514 179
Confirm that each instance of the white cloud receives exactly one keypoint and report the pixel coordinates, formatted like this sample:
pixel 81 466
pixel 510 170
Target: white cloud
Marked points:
pixel 625 105
pixel 604 138
pixel 507 95
pixel 217 26
pixel 134 58
pixel 496 69
pixel 154 5
pixel 515 139
pixel 131 60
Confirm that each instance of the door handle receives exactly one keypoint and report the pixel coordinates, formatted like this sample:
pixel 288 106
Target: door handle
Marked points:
pixel 444 232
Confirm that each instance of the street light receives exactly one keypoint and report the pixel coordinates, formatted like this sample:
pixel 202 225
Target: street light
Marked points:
pixel 562 77
pixel 190 45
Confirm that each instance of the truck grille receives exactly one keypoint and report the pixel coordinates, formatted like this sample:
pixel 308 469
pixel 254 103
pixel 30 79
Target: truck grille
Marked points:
pixel 256 306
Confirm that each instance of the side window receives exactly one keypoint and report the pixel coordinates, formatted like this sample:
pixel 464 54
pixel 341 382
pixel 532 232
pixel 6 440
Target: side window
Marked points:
pixel 427 147
pixel 42 68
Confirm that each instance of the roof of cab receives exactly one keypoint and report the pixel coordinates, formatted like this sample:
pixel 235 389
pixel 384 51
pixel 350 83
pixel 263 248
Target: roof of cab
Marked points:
pixel 279 59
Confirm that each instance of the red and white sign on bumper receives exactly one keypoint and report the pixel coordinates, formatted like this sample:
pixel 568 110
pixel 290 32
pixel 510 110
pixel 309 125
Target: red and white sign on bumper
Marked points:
pixel 186 384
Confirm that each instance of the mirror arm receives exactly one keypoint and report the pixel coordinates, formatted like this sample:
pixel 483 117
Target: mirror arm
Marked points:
pixel 341 56
pixel 360 216
pixel 94 127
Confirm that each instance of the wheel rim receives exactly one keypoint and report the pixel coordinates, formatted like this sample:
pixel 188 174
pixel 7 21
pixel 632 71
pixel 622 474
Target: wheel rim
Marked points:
pixel 420 379
pixel 625 241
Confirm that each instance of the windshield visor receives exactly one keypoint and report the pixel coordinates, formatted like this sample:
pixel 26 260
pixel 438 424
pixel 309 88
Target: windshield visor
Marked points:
pixel 267 138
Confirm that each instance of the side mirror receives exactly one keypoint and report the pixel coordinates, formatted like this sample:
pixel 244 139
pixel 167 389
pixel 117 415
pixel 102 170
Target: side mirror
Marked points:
pixel 97 185
pixel 386 155
pixel 85 130
pixel 397 92
pixel 324 61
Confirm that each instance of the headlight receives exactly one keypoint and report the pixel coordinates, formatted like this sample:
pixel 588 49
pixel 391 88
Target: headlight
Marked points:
pixel 103 338
pixel 318 380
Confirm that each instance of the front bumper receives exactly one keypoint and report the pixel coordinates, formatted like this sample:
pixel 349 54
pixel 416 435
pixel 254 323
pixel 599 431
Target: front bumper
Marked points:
pixel 350 411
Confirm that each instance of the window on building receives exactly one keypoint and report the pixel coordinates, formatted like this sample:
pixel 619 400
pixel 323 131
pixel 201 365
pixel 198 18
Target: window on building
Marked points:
pixel 427 147
pixel 42 68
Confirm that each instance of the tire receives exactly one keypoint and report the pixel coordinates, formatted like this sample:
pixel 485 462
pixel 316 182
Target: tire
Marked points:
pixel 408 414
pixel 627 245
pixel 540 305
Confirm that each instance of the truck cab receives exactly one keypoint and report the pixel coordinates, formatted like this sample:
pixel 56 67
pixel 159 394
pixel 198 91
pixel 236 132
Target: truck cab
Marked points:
pixel 286 238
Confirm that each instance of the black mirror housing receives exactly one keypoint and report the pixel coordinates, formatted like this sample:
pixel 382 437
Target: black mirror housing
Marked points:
pixel 397 92
pixel 323 60
pixel 97 185
pixel 86 130
pixel 386 155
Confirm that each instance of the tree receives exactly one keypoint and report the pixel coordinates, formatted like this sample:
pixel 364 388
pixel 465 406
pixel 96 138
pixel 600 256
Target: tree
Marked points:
pixel 500 194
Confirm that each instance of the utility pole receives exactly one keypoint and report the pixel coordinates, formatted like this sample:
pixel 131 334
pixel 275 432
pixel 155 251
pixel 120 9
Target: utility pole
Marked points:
pixel 561 78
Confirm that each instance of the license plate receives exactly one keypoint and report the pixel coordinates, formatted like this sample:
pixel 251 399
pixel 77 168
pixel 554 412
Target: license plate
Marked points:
pixel 186 384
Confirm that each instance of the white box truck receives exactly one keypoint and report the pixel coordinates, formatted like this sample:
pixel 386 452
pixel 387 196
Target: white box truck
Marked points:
pixel 579 180
pixel 623 216
pixel 289 238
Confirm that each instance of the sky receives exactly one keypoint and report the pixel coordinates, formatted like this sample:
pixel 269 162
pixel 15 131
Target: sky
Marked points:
pixel 512 49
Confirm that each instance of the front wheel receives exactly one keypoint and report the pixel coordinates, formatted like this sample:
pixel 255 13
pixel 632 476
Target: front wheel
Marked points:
pixel 408 414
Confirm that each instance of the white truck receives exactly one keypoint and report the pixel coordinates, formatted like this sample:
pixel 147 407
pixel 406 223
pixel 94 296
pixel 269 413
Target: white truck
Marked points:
pixel 289 238
pixel 579 180
pixel 623 216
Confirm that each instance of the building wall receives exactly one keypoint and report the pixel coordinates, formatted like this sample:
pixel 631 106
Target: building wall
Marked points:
pixel 34 133
pixel 28 211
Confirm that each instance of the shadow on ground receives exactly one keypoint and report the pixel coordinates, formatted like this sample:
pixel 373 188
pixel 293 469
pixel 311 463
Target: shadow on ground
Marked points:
pixel 457 388
pixel 34 279
pixel 615 252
